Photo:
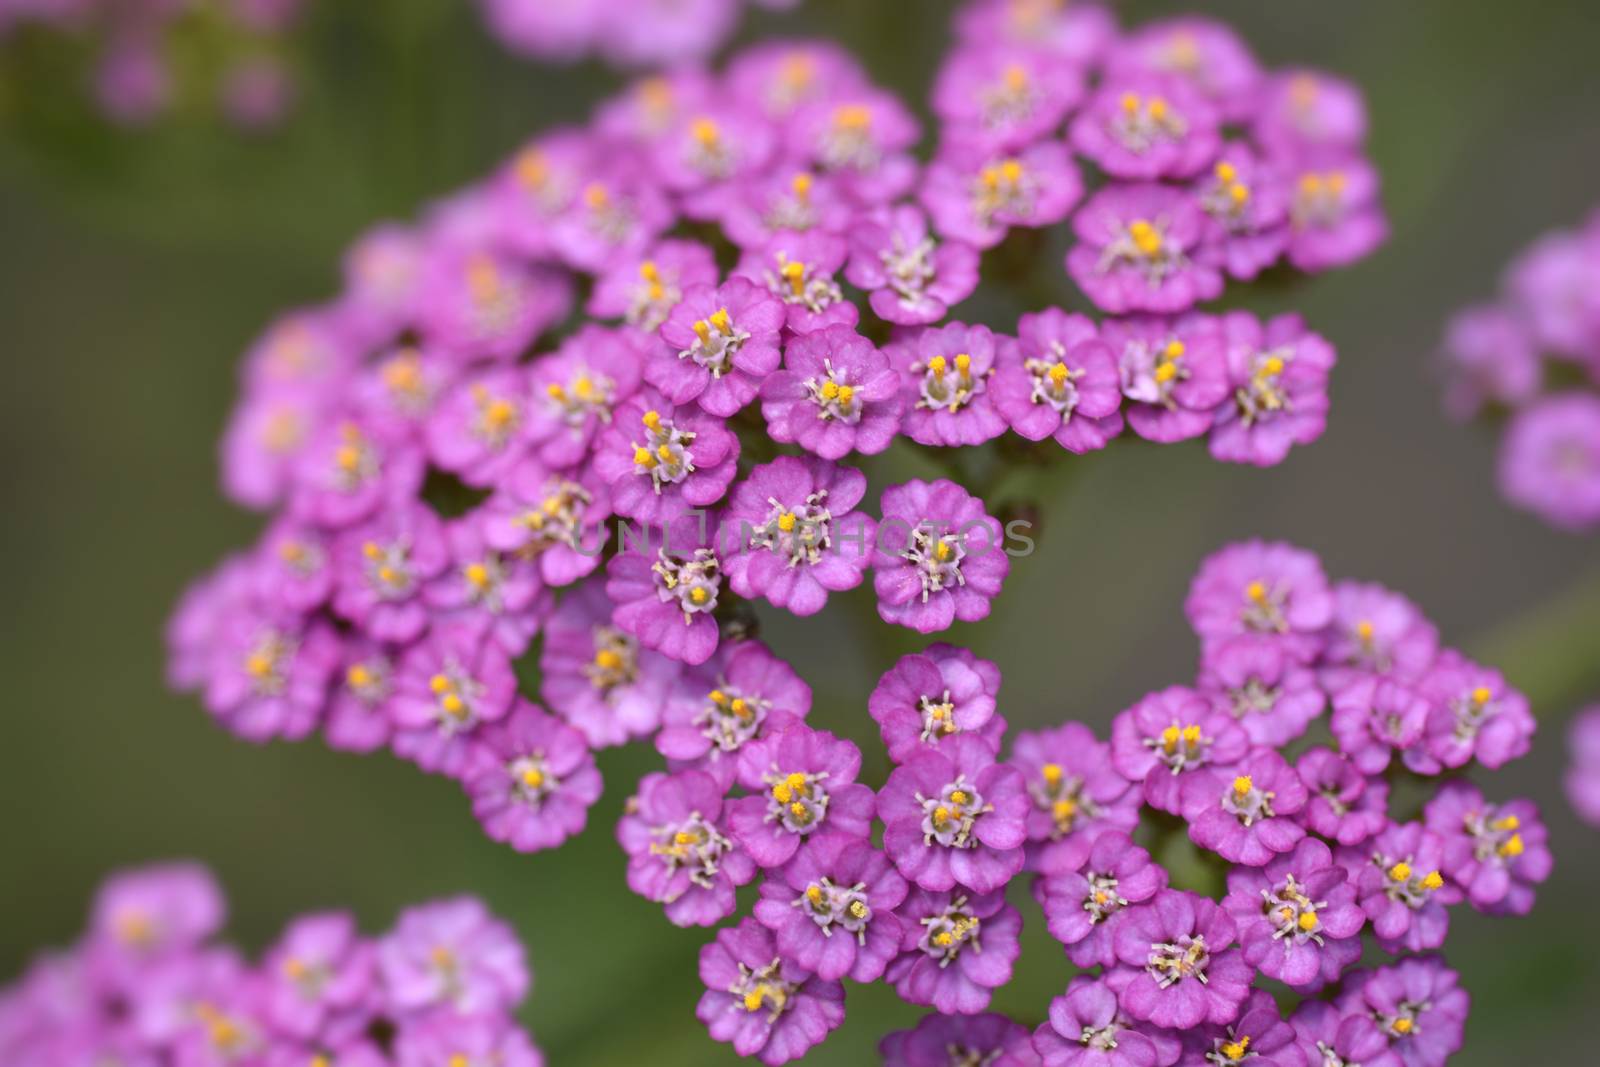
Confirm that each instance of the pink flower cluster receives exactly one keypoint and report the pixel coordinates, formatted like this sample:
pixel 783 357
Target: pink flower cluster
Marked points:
pixel 133 78
pixel 148 985
pixel 625 33
pixel 1534 354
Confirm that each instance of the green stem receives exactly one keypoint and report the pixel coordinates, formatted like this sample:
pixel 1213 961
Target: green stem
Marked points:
pixel 1551 652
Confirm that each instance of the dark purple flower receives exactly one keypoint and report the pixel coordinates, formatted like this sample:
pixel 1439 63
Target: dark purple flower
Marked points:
pixel 1375 717
pixel 1171 740
pixel 1475 714
pixel 1135 250
pixel 934 694
pixel 445 688
pixel 1342 804
pixel 956 948
pixel 1375 632
pixel 1182 970
pixel 452 954
pixel 806 781
pixel 768 1007
pixel 718 345
pixel 1550 461
pixel 1057 379
pixel 944 384
pixel 1266 588
pixel 831 907
pixel 320 972
pixel 1259 1036
pixel 1418 1007
pixel 939 556
pixel 798 535
pixel 742 694
pixel 1279 374
pixel 1497 853
pixel 835 394
pixel 911 278
pixel 1251 818
pixel 1263 686
pixel 977 198
pixel 382 567
pixel 1076 792
pixel 1174 373
pixel 661 461
pixel 1298 918
pixel 531 778
pixel 665 583
pixel 1088 1028
pixel 1083 900
pixel 679 853
pixel 1143 127
pixel 938 1040
pixel 596 677
pixel 1400 886
pixel 953 816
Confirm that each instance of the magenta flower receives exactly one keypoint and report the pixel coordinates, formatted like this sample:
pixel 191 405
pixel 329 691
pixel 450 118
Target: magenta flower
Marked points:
pixel 782 76
pixel 381 568
pixel 452 954
pixel 1418 1007
pixel 1056 379
pixel 976 198
pixel 617 215
pixel 944 385
pixel 483 306
pixel 1135 250
pixel 445 687
pixel 1401 888
pixel 478 431
pixel 501 596
pixel 719 345
pixel 1143 127
pixel 806 782
pixel 1246 201
pixel 1342 804
pixel 1174 373
pixel 1551 284
pixel 555 520
pixel 938 1040
pixel 1263 687
pixel 1497 853
pixel 1084 893
pixel 475 1039
pixel 998 99
pixel 1088 1028
pixel 766 1006
pixel 679 852
pixel 1335 218
pixel 1076 792
pixel 573 391
pixel 861 138
pixel 1582 779
pixel 596 676
pixel 800 269
pixel 643 290
pixel 531 778
pixel 704 156
pixel 1474 714
pixel 1267 588
pixel 292 568
pixel 155 913
pixel 939 556
pixel 798 537
pixel 665 583
pixel 346 473
pixel 396 394
pixel 1340 1040
pixel 1279 375
pixel 1298 918
pixel 318 975
pixel 1304 109
pixel 937 693
pixel 359 717
pixel 953 816
pixel 741 695
pixel 268 677
pixel 1171 740
pixel 265 434
pixel 381 272
pixel 1258 1036
pixel 1550 461
pixel 911 279
pixel 1375 632
pixel 1251 818
pixel 1375 717
pixel 785 201
pixel 1204 52
pixel 1182 970
pixel 1488 358
pixel 660 461
pixel 835 394
pixel 831 908
pixel 956 948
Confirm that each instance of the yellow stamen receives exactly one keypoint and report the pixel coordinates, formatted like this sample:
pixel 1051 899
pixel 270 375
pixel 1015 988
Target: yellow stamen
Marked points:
pixel 852 117
pixel 1016 79
pixel 453 705
pixel 941 815
pixel 607 660
pixel 786 521
pixel 1402 1026
pixel 781 793
pixel 388 575
pixel 531 168
pixel 801 184
pixel 814 894
pixel 794 272
pixel 533 778
pixel 440 683
pixel 936 366
pixel 740 708
pixel 798 810
pixel 1130 102
pixel 651 420
pixel 752 1000
pixel 1165 372
pixel 958 797
pixel 1235 1050
pixel 705 132
pixel 1365 630
pixel 1256 591
pixel 1052 773
pixel 1242 784
pixel 718 697
pixel 664 453
pixel 1308 921
pixel 1226 173
pixel 845 393
pixel 1058 375
pixel 1239 193
pixel 1063 810
pixel 1169 738
pixel 1011 171
pixel 702 330
pixel 258 665
pixel 829 390
pixel 649 272
pixel 1400 872
pixel 964 365
pixel 358 676
pixel 1435 880
pixel 1191 735
pixel 1481 695
pixel 347 457
pixel 699 595
pixel 371 550
pixel 1510 822
pixel 720 320
pixel 596 196
pixel 1157 108
pixel 942 551
pixel 858 909
pixel 643 458
pixel 1145 237
pixel 477 575
pixel 1513 846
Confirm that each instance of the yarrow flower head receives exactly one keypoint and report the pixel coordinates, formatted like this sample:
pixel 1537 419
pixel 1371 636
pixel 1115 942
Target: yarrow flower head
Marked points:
pixel 766 1006
pixel 938 693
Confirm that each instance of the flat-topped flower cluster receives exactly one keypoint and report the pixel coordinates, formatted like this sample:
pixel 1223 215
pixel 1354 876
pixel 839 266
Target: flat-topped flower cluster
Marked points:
pixel 135 78
pixel 1313 763
pixel 1533 354
pixel 148 985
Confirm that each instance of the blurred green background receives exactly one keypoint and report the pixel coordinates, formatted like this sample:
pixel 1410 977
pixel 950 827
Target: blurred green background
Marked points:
pixel 134 268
